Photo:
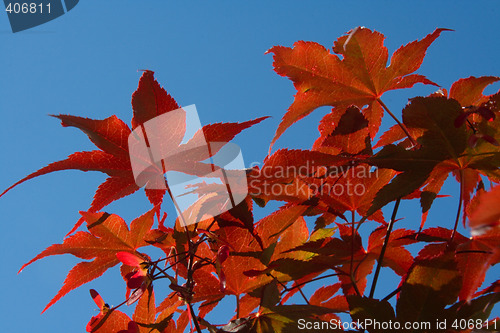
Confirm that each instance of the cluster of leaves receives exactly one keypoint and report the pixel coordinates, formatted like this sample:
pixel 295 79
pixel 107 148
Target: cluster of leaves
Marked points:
pixel 343 182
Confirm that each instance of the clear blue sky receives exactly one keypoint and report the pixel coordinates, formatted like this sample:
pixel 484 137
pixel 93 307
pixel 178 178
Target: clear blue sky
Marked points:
pixel 85 63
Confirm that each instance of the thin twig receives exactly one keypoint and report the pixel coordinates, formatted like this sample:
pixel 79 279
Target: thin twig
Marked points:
pixel 306 282
pixel 195 318
pixel 165 274
pixel 285 287
pixel 392 294
pixel 351 268
pixel 355 286
pixel 304 296
pixel 384 247
pixel 237 306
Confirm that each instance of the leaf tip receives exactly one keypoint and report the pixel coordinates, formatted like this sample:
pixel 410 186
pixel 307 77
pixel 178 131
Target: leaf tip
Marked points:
pixel 46 308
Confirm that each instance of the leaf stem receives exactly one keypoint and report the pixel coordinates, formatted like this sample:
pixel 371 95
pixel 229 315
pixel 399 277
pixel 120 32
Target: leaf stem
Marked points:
pixel 285 288
pixel 384 247
pixel 304 296
pixel 306 282
pixel 165 274
pixel 400 124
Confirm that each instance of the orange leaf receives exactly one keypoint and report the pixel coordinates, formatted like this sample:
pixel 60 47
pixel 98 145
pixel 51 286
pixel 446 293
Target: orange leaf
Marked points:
pixel 360 78
pixel 111 137
pixel 469 91
pixel 107 320
pixel 145 311
pixel 108 235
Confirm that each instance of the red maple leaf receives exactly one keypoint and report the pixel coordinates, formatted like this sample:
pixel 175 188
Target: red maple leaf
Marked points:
pixel 107 235
pixel 111 137
pixel 360 78
pixel 468 165
pixel 472 256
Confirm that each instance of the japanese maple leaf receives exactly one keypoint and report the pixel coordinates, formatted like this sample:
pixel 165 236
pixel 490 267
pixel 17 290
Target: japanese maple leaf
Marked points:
pixel 324 297
pixel 353 189
pixel 345 255
pixel 472 256
pixel 349 187
pixel 344 132
pixel 242 241
pixel 440 142
pixel 107 235
pixel 429 287
pixel 467 166
pixel 360 78
pixel 468 92
pixel 111 137
pixel 272 316
pixel 248 255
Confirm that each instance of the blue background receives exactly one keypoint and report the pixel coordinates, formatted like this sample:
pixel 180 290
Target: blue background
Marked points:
pixel 86 63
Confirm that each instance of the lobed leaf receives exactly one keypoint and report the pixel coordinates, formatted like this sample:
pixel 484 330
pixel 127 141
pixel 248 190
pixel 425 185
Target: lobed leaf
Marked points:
pixel 107 235
pixel 360 78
